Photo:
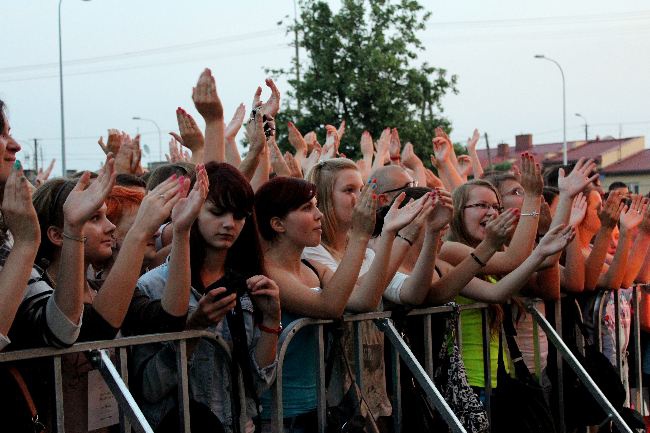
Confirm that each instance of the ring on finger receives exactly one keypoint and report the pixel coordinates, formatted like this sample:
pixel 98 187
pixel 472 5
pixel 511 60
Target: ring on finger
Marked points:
pixel 162 196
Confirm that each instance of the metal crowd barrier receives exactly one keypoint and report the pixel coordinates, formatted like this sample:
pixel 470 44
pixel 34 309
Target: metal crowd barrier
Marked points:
pixel 117 378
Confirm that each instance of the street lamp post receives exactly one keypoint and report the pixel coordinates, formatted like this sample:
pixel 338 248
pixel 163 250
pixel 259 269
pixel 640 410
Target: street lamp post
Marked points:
pixel 586 126
pixel 564 145
pixel 63 166
pixel 159 134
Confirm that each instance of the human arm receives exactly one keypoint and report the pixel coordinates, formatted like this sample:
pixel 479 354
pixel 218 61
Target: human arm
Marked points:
pixel 367 150
pixel 298 142
pixel 477 168
pixel 412 161
pixel 572 274
pixel 256 147
pixel 383 145
pixel 232 153
pixel 190 135
pixel 44 175
pixel 21 220
pixel 265 295
pixel 208 104
pixel 445 159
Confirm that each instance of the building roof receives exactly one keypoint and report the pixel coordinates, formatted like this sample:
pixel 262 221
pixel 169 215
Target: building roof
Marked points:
pixel 637 163
pixel 592 149
pixel 540 152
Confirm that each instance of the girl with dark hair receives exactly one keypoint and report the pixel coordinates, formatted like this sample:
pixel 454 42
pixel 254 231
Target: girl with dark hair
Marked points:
pixel 224 272
pixel 289 220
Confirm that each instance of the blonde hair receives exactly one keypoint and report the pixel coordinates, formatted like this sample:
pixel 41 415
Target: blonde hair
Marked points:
pixel 323 175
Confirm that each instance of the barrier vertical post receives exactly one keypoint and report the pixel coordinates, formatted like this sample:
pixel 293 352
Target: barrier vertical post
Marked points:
pixel 617 333
pixel 428 349
pixel 122 354
pixel 58 392
pixel 636 328
pixel 397 389
pixel 321 397
pixel 560 366
pixel 358 353
pixel 183 391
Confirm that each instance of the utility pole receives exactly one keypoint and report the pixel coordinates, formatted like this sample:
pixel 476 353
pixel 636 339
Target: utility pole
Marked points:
pixel 36 155
pixel 295 33
pixel 487 144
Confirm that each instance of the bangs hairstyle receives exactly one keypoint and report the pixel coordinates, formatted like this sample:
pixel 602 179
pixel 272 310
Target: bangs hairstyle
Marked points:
pixel 460 197
pixel 48 200
pixel 120 199
pixel 323 175
pixel 230 192
pixel 414 193
pixel 278 197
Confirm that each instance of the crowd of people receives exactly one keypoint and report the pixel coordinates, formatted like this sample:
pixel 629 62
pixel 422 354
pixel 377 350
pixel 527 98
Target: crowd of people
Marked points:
pixel 244 246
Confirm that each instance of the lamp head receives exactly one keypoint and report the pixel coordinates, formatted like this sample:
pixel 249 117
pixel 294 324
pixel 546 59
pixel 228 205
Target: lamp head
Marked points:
pixel 539 56
pixel 134 117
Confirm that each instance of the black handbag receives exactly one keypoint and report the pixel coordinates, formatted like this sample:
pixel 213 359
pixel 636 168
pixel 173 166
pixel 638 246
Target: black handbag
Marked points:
pixel 518 403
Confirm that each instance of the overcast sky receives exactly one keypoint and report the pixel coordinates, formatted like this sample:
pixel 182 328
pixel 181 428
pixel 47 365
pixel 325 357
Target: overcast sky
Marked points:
pixel 141 58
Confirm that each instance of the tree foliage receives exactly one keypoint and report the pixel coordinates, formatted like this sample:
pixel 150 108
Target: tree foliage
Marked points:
pixel 362 66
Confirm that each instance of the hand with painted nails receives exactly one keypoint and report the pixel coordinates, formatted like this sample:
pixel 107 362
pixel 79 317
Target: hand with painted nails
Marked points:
pixel 191 135
pixel 235 123
pixel 265 294
pixel 367 148
pixel 611 210
pixel 632 215
pixel 205 97
pixel 364 213
pixel 294 166
pixel 157 205
pixel 397 218
pixel 578 210
pixel 531 176
pixel 17 209
pixel 395 146
pixel 187 208
pixel 297 141
pixel 473 141
pixel 500 228
pixel 442 146
pixel 443 210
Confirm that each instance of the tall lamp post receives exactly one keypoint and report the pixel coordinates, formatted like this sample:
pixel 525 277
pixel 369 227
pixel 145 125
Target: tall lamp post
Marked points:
pixel 586 126
pixel 564 145
pixel 159 134
pixel 63 167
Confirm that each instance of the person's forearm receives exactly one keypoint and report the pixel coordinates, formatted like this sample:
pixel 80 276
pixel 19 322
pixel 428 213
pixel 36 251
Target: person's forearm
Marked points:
pixel 265 349
pixel 449 172
pixel 477 168
pixel 13 281
pixel 215 146
pixel 636 259
pixel 594 263
pixel 198 156
pixel 337 290
pixel 262 171
pixel 113 300
pixel 644 274
pixel 370 287
pixel 613 278
pixel 523 240
pixel 545 284
pixel 450 285
pixel 420 174
pixel 175 298
pixel 515 280
pixel 248 166
pixel 232 153
pixel 71 275
pixel 417 285
pixel 573 273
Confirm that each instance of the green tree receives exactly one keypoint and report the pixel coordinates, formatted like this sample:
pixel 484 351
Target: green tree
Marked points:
pixel 361 67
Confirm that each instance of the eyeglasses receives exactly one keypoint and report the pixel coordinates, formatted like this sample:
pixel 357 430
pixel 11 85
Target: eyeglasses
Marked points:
pixel 484 206
pixel 410 184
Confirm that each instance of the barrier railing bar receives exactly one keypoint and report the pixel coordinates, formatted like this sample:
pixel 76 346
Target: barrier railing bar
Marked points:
pixel 428 349
pixel 598 320
pixel 102 360
pixel 536 353
pixel 397 389
pixel 487 363
pixel 58 392
pixel 575 365
pixel 617 333
pixel 432 394
pixel 43 352
pixel 321 396
pixel 122 356
pixel 183 390
pixel 560 366
pixel 636 332
pixel 358 354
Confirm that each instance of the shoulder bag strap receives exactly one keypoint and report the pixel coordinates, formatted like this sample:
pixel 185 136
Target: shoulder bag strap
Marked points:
pixel 36 423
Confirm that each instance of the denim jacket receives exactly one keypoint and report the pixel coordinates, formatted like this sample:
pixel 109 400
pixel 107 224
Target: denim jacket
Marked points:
pixel 208 367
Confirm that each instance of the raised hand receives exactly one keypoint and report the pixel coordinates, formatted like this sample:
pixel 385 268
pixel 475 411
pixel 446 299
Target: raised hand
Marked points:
pixel 158 203
pixel 185 211
pixel 500 228
pixel 84 200
pixel 443 210
pixel 332 141
pixel 235 123
pixel 531 176
pixel 364 213
pixel 395 146
pixel 465 164
pixel 383 148
pixel 611 210
pixel 367 148
pixel 191 136
pixel 278 164
pixel 645 224
pixel 297 141
pixel 44 175
pixel 579 177
pixel 578 210
pixel 632 216
pixel 555 240
pixel 433 181
pixel 473 141
pixel 265 294
pixel 442 147
pixel 294 166
pixel 272 106
pixel 341 130
pixel 310 161
pixel 175 151
pixel 312 141
pixel 397 218
pixel 205 97
pixel 255 133
pixel 409 158
pixel 17 209
pixel 114 141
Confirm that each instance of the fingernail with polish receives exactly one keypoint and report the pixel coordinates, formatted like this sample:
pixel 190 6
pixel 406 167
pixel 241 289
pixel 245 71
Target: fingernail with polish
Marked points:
pixel 374 196
pixel 18 165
